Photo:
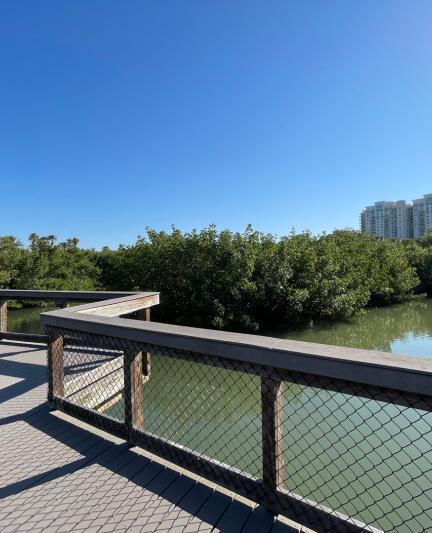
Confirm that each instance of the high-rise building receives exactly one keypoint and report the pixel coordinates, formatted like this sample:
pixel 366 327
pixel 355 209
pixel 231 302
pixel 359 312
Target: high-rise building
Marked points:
pixel 404 218
pixel 418 218
pixel 398 220
pixel 422 215
pixel 390 220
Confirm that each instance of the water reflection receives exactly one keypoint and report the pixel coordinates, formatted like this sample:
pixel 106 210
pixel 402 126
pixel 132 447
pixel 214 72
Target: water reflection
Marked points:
pixel 27 319
pixel 405 328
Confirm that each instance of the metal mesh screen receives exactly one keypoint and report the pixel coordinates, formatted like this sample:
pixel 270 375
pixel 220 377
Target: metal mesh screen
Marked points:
pixel 347 456
pixel 93 374
pixel 368 459
pixel 214 411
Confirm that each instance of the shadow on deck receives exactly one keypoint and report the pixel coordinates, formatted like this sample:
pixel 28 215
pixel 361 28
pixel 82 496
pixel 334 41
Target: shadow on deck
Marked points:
pixel 60 475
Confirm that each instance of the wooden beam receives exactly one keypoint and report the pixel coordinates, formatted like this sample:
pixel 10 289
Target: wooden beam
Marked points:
pixel 133 389
pixel 144 314
pixel 119 306
pixel 146 366
pixel 97 393
pixel 3 316
pixel 272 420
pixel 92 377
pixel 366 367
pixel 55 368
pixel 109 424
pixel 91 296
pixel 23 337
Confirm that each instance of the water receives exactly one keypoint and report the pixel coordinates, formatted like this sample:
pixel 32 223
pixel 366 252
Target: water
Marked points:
pixel 361 457
pixel 27 319
pixel 404 329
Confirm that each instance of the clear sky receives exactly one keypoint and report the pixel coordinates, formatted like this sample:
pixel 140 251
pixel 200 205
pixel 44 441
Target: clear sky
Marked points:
pixel 117 115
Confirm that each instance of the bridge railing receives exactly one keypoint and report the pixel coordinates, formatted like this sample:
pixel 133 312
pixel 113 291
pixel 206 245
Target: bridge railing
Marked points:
pixel 338 439
pixel 60 299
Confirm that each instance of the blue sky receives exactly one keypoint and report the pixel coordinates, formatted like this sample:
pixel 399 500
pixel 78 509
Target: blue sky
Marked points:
pixel 117 115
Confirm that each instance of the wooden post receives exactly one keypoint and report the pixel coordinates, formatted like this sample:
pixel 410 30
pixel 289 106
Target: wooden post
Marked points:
pixel 64 304
pixel 146 367
pixel 133 389
pixel 144 314
pixel 3 316
pixel 272 419
pixel 55 368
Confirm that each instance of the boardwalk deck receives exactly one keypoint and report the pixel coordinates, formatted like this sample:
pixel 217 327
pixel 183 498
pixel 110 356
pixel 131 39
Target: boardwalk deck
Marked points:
pixel 57 474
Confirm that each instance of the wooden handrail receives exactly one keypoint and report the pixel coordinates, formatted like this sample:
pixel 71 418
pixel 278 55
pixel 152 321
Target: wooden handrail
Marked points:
pixel 89 296
pixel 106 303
pixel 366 367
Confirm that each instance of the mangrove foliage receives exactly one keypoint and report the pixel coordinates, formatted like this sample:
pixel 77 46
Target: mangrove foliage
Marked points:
pixel 239 281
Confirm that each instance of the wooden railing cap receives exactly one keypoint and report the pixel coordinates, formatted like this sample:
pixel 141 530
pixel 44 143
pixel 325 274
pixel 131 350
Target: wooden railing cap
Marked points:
pixel 368 367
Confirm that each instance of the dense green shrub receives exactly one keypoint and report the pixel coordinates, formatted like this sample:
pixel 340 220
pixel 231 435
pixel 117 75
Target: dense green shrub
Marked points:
pixel 47 265
pixel 251 280
pixel 242 281
pixel 11 259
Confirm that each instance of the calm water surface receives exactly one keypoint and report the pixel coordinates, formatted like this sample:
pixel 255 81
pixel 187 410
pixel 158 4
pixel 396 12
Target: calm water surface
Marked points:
pixel 404 329
pixel 27 320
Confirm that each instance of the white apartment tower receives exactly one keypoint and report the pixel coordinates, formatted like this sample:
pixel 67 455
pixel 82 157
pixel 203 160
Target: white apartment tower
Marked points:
pixel 398 220
pixel 404 216
pixel 422 215
pixel 390 220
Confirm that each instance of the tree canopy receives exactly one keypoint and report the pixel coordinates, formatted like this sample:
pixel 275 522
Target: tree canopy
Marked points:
pixel 230 280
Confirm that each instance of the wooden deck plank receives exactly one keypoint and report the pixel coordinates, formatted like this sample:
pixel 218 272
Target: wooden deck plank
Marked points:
pixel 261 520
pixel 59 474
pixel 214 507
pixel 235 517
pixel 280 527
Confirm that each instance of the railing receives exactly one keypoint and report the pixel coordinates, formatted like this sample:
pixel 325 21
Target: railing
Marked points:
pixel 337 439
pixel 60 299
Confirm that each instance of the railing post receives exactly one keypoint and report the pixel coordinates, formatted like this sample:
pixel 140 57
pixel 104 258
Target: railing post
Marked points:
pixel 133 390
pixel 144 314
pixel 55 367
pixel 272 420
pixel 3 316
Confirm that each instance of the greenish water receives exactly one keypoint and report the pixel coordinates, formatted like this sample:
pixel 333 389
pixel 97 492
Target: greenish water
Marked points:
pixel 368 459
pixel 404 329
pixel 27 319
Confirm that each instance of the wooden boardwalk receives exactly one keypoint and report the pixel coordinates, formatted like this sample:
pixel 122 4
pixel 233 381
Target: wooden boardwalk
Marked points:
pixel 57 474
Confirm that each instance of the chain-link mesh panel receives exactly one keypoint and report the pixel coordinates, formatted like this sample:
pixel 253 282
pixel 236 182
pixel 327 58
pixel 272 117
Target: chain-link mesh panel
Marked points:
pixel 369 459
pixel 93 375
pixel 214 411
pixel 334 455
